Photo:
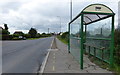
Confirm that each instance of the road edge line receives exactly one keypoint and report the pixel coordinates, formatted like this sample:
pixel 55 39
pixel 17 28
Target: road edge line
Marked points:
pixel 42 68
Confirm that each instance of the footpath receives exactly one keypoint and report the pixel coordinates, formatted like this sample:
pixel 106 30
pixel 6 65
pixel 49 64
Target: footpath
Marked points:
pixel 60 61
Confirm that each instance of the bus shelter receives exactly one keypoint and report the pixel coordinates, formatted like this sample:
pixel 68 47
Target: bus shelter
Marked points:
pixel 92 32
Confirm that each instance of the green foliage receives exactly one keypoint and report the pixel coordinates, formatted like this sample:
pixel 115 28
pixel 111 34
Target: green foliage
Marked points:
pixel 117 46
pixel 32 32
pixel 27 35
pixel 5 32
pixel 38 35
pixel 16 38
pixel 63 40
pixel 6 27
pixel 15 35
pixel 117 37
pixel 64 37
pixel 45 35
pixel 5 37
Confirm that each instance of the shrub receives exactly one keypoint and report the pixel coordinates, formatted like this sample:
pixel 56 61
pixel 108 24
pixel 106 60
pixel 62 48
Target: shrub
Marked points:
pixel 15 35
pixel 10 37
pixel 38 35
pixel 65 36
pixel 117 46
pixel 16 38
pixel 27 35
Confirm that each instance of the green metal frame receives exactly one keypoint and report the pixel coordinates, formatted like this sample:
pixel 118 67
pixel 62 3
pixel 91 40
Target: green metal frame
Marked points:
pixel 69 38
pixel 82 36
pixel 81 53
pixel 112 43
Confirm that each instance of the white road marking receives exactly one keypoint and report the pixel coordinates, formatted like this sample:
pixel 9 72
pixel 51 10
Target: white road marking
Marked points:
pixel 53 68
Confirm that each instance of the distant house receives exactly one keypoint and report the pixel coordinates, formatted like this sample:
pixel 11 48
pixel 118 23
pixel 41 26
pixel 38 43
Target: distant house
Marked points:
pixel 1 30
pixel 18 32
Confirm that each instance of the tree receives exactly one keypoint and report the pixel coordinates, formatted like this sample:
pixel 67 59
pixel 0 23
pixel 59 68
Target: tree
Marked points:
pixel 6 27
pixel 4 32
pixel 43 33
pixel 32 32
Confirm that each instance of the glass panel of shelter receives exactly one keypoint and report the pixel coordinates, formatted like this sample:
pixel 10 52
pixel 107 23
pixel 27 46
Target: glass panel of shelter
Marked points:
pixel 98 38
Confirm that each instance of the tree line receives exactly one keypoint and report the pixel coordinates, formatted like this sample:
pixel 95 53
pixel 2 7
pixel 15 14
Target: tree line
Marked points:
pixel 33 33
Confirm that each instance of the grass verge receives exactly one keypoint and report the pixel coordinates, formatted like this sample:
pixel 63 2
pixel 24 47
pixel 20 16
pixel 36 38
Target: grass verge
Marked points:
pixel 35 38
pixel 32 38
pixel 63 40
pixel 114 69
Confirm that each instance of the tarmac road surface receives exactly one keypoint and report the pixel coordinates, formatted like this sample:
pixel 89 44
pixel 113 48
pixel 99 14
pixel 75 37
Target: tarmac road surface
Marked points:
pixel 24 56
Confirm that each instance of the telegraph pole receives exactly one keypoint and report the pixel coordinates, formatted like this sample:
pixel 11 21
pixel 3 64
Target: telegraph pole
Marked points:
pixel 69 25
pixel 48 30
pixel 70 10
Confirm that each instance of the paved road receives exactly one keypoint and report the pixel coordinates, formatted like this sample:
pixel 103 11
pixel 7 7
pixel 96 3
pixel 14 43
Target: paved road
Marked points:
pixel 24 56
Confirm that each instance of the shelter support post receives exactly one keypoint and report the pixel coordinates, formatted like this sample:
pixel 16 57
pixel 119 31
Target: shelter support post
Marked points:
pixel 81 50
pixel 112 43
pixel 69 38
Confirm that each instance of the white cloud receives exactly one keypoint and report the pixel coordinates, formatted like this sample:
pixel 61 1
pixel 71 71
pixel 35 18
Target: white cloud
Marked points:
pixel 42 14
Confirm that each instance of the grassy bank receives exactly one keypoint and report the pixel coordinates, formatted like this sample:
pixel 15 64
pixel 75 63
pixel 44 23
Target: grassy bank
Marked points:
pixel 114 69
pixel 32 38
pixel 63 40
pixel 37 38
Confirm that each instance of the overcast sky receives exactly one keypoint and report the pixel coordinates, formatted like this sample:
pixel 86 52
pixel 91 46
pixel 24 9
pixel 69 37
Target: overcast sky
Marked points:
pixel 21 15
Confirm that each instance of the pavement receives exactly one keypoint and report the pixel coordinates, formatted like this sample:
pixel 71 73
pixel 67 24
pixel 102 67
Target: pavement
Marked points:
pixel 25 56
pixel 60 61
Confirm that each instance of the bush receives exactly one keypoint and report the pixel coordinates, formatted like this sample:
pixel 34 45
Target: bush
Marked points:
pixel 65 36
pixel 27 35
pixel 10 37
pixel 15 35
pixel 38 35
pixel 15 38
pixel 117 46
pixel 5 32
pixel 45 35
pixel 5 37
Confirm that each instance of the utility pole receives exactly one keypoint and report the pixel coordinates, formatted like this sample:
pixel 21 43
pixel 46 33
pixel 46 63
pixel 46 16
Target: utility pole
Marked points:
pixel 70 10
pixel 48 30
pixel 69 25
